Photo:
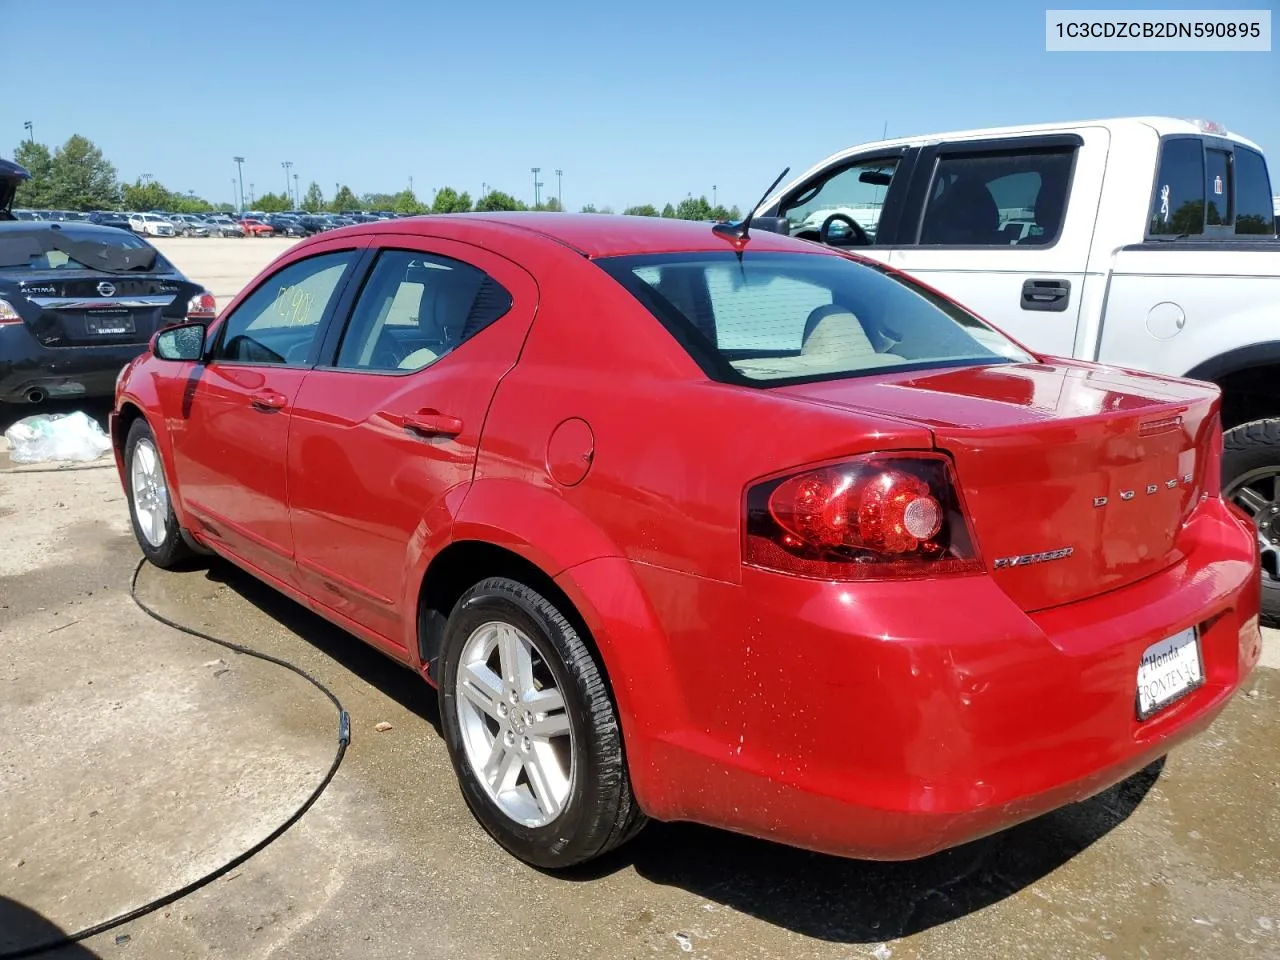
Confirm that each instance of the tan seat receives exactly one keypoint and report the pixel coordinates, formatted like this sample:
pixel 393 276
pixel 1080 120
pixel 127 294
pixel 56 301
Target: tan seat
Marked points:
pixel 834 340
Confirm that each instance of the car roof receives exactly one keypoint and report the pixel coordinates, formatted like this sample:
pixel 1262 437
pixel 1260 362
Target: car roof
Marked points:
pixel 591 234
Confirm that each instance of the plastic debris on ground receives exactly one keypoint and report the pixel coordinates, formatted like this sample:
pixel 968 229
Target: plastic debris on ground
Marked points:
pixel 50 437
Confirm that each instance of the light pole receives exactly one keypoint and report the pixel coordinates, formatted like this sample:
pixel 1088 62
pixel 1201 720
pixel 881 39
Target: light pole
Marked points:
pixel 31 133
pixel 559 190
pixel 714 201
pixel 296 195
pixel 411 184
pixel 251 194
pixel 536 184
pixel 240 176
pixel 238 207
pixel 286 165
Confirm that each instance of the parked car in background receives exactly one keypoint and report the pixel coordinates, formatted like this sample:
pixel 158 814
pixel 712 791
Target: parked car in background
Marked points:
pixel 223 226
pixel 152 225
pixel 284 226
pixel 106 218
pixel 189 225
pixel 256 228
pixel 1141 242
pixel 855 506
pixel 78 301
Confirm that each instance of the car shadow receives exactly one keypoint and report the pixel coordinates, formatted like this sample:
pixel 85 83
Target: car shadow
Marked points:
pixel 22 929
pixel 377 669
pixel 819 896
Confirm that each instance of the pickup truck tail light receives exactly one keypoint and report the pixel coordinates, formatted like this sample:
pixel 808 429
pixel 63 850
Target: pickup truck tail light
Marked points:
pixel 202 306
pixel 878 517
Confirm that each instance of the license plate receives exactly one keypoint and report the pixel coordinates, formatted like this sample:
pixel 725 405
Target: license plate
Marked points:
pixel 1169 670
pixel 108 323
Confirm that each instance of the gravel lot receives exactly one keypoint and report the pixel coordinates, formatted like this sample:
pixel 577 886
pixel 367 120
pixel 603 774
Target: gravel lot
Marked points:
pixel 137 758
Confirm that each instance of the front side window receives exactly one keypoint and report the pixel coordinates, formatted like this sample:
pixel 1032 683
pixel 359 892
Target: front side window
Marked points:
pixel 415 308
pixel 998 200
pixel 773 318
pixel 855 193
pixel 1254 211
pixel 1177 208
pixel 280 321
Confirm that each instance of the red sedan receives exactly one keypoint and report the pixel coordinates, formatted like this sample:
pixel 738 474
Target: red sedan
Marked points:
pixel 256 228
pixel 690 526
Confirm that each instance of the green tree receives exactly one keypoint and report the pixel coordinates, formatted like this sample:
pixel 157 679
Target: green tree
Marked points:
pixel 588 208
pixel 37 160
pixel 273 203
pixel 406 201
pixel 669 212
pixel 313 201
pixel 691 209
pixel 141 196
pixel 80 178
pixel 550 205
pixel 377 201
pixel 642 210
pixel 344 199
pixel 497 200
pixel 448 200
pixel 226 208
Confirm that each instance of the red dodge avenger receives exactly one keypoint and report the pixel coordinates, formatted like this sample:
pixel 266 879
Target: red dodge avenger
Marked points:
pixel 695 524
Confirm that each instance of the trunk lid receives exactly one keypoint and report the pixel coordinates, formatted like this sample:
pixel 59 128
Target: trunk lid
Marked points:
pixel 97 309
pixel 1077 479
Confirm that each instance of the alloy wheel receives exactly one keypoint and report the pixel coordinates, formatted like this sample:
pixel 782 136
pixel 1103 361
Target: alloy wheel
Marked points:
pixel 150 493
pixel 515 729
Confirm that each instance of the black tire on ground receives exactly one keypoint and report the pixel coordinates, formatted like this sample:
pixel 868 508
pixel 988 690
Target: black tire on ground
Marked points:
pixel 173 550
pixel 1246 448
pixel 600 812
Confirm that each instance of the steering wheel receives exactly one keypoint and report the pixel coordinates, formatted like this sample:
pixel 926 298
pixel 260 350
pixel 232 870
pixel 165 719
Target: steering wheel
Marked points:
pixel 860 238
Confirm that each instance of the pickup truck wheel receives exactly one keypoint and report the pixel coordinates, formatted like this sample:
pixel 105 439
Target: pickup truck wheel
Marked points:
pixel 1251 474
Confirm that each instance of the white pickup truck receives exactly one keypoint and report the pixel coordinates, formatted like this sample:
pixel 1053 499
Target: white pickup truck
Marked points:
pixel 1144 242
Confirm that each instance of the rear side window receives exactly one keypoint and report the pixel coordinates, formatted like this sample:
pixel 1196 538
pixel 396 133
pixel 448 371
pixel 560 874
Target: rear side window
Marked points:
pixel 415 308
pixel 998 199
pixel 1254 211
pixel 776 318
pixel 1177 209
pixel 1217 188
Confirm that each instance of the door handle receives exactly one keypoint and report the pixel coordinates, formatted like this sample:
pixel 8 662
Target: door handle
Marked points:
pixel 267 400
pixel 431 423
pixel 1053 295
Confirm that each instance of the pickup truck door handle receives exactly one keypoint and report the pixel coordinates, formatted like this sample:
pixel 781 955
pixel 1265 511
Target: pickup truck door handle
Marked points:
pixel 268 400
pixel 1053 295
pixel 431 423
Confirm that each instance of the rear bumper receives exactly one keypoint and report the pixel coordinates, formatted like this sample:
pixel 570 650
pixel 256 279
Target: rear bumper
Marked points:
pixel 892 720
pixel 58 372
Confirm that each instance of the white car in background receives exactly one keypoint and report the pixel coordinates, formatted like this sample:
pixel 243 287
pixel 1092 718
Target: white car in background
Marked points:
pixel 152 225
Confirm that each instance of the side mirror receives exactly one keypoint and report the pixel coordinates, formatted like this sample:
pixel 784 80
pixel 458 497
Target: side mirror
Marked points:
pixel 182 342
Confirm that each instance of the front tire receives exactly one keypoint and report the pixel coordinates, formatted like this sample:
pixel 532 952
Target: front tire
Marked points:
pixel 155 526
pixel 1251 479
pixel 532 729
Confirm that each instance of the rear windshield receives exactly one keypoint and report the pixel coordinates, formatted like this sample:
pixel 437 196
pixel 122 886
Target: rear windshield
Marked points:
pixel 42 248
pixel 792 317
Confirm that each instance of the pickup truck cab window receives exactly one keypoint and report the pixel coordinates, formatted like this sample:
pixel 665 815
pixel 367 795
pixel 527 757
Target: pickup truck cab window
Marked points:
pixel 849 200
pixel 1254 212
pixel 1177 209
pixel 1000 199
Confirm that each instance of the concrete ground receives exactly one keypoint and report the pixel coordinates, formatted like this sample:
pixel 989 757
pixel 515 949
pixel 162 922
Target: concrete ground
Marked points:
pixel 136 758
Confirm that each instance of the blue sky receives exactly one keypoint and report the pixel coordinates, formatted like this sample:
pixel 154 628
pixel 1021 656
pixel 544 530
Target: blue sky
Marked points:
pixel 634 102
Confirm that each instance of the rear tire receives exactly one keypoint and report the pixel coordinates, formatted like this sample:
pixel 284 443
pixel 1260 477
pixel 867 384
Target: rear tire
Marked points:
pixel 155 526
pixel 1251 478
pixel 583 764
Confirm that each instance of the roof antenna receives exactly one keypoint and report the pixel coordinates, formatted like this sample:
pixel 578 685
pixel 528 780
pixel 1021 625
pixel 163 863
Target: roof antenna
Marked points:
pixel 737 233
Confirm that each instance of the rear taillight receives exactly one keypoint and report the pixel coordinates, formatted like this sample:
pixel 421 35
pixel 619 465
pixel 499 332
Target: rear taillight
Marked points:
pixel 8 314
pixel 202 307
pixel 878 517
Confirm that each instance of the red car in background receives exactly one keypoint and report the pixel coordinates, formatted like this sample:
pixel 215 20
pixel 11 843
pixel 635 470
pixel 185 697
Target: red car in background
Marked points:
pixel 690 524
pixel 256 228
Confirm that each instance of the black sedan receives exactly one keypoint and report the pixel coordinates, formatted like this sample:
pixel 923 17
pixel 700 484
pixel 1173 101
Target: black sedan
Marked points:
pixel 78 301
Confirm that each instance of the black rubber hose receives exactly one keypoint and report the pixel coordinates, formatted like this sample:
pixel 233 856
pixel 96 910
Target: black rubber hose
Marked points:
pixel 344 738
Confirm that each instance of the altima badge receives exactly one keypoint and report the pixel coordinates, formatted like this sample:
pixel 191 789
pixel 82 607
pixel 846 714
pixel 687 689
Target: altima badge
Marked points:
pixel 1029 558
